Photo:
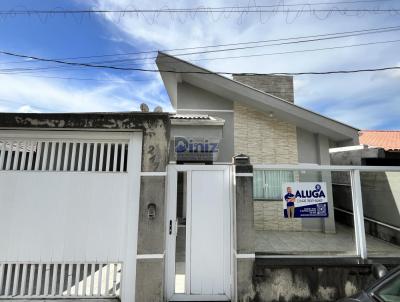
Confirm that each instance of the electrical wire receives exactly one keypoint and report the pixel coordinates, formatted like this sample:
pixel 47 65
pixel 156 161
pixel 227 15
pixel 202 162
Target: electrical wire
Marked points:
pixel 197 72
pixel 81 79
pixel 246 48
pixel 310 38
pixel 204 9
pixel 106 81
pixel 168 60
pixel 333 10
pixel 295 51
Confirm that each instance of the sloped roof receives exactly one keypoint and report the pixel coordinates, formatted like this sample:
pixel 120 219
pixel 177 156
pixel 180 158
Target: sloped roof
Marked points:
pixel 388 140
pixel 174 71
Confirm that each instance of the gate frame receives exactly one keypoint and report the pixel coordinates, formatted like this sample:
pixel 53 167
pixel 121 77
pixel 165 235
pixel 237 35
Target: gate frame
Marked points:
pixel 171 196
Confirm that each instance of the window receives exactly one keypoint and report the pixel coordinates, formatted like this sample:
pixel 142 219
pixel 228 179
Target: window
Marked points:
pixel 267 185
pixel 390 292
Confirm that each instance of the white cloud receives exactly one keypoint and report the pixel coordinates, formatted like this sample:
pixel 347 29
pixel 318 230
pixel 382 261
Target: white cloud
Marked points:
pixel 20 93
pixel 27 109
pixel 369 115
pixel 316 93
pixel 366 102
pixel 389 74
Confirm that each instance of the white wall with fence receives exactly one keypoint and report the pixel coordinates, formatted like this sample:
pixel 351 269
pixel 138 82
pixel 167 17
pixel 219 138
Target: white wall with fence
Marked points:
pixel 69 212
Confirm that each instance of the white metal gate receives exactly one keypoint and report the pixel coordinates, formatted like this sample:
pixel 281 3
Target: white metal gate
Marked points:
pixel 69 211
pixel 198 261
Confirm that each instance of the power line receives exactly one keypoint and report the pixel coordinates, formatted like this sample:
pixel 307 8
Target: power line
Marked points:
pixel 366 31
pixel 102 80
pixel 258 55
pixel 80 79
pixel 90 64
pixel 251 47
pixel 198 72
pixel 285 43
pixel 332 10
pixel 327 72
pixel 318 37
pixel 296 51
pixel 204 9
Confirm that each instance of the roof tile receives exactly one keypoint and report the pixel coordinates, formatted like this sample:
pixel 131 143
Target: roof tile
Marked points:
pixel 388 140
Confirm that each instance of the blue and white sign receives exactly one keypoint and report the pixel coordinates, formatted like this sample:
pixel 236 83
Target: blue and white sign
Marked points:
pixel 305 200
pixel 196 148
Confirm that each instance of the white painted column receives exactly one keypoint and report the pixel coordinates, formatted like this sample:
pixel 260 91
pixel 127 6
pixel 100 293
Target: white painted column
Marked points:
pixel 128 281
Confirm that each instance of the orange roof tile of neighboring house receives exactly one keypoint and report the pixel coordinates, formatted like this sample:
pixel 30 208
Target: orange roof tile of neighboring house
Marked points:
pixel 388 140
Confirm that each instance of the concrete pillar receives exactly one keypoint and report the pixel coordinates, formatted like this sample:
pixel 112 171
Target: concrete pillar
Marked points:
pixel 150 250
pixel 245 231
pixel 151 229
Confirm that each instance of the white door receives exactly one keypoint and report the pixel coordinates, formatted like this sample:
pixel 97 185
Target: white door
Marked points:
pixel 199 232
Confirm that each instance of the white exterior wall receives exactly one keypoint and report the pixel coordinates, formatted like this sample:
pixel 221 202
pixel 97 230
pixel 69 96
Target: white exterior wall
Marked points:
pixel 63 216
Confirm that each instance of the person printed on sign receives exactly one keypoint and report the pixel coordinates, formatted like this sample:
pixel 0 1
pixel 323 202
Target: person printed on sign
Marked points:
pixel 290 199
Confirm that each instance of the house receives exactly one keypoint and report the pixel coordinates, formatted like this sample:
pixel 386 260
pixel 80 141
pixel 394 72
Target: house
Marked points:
pixel 389 140
pixel 377 148
pixel 185 206
pixel 256 116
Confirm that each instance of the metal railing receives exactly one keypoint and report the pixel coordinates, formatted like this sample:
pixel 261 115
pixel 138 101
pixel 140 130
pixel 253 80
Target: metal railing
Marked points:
pixel 356 193
pixel 370 220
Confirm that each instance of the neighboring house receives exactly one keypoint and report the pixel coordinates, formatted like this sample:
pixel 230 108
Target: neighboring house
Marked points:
pixel 380 190
pixel 377 148
pixel 386 139
pixel 389 141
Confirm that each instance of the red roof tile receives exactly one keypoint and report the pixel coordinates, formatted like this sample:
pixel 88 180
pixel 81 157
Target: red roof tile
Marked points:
pixel 388 140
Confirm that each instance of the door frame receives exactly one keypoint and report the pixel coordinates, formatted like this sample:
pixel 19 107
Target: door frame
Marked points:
pixel 170 241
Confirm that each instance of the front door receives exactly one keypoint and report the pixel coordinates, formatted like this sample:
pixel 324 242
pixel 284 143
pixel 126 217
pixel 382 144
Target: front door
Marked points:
pixel 198 256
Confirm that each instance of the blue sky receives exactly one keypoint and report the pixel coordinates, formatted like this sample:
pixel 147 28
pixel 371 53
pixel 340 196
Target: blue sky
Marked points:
pixel 366 101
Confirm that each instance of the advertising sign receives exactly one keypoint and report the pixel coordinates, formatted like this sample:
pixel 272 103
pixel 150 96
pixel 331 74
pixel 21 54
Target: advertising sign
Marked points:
pixel 305 200
pixel 196 148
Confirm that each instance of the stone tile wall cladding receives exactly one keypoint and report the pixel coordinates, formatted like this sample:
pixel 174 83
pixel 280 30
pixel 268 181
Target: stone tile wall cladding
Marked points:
pixel 280 86
pixel 268 216
pixel 266 140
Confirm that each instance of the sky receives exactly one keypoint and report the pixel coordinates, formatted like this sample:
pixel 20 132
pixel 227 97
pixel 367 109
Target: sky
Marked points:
pixel 363 100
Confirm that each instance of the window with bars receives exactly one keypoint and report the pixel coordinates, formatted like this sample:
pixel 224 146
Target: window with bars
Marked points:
pixel 267 184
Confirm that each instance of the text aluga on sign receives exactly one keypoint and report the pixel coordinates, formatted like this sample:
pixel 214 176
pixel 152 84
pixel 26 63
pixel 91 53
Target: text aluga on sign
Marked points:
pixel 305 200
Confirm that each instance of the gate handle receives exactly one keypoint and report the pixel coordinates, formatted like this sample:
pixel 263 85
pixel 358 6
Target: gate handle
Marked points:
pixel 170 227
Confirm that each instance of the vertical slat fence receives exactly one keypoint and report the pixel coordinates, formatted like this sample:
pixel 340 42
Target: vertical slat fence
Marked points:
pixel 56 280
pixel 62 155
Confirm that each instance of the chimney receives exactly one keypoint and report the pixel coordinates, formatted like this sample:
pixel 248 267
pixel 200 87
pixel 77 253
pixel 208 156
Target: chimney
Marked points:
pixel 280 86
